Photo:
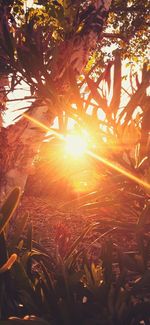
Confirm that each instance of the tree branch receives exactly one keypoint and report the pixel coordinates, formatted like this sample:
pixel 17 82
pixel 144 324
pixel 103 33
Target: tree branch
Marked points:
pixel 113 35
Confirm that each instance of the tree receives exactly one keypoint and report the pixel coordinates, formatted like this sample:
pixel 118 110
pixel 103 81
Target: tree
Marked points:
pixel 48 47
pixel 49 79
pixel 121 137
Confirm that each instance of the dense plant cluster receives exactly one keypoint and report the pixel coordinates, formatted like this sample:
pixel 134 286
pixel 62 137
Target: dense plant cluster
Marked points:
pixel 61 51
pixel 70 289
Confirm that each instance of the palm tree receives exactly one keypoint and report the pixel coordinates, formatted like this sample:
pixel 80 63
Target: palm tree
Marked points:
pixel 47 57
pixel 48 48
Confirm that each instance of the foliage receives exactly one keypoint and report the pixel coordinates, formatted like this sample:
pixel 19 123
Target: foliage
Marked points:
pixel 78 291
pixel 44 45
pixel 121 136
pixel 73 290
pixel 45 29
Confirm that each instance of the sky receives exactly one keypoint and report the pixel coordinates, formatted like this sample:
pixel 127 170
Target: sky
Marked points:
pixel 14 105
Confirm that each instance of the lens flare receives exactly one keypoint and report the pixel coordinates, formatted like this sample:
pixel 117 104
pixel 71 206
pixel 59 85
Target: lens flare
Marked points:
pixel 106 162
pixel 43 126
pixel 75 145
pixel 119 169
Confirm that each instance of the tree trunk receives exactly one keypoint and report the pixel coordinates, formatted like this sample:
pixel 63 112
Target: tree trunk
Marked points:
pixel 20 145
pixel 4 83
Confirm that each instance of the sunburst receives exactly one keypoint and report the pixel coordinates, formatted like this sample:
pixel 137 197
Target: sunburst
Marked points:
pixel 77 145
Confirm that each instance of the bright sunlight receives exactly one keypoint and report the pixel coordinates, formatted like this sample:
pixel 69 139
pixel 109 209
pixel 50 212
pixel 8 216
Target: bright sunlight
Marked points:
pixel 106 162
pixel 76 145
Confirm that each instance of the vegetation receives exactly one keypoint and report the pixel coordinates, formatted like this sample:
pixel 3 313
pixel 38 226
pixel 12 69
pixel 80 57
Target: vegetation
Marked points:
pixel 34 44
pixel 69 289
pixel 86 62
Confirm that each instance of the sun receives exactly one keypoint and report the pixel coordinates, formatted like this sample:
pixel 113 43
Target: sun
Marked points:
pixel 75 145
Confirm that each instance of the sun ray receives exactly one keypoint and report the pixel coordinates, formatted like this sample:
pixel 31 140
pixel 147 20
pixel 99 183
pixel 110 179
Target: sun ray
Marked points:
pixel 43 126
pixel 106 162
pixel 75 145
pixel 119 169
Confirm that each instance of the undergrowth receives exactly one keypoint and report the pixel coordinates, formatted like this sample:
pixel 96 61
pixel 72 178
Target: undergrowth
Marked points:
pixel 70 288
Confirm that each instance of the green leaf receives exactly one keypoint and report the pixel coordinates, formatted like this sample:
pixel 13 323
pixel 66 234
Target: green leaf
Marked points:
pixel 48 287
pixel 79 240
pixel 29 237
pixel 7 266
pixel 102 236
pixel 8 208
pixel 20 225
pixel 107 260
pixel 25 288
pixel 3 250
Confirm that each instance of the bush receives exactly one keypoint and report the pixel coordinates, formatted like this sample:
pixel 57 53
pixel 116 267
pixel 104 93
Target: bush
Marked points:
pixel 70 289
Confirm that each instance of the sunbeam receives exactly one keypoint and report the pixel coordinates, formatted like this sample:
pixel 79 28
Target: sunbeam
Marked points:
pixel 106 162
